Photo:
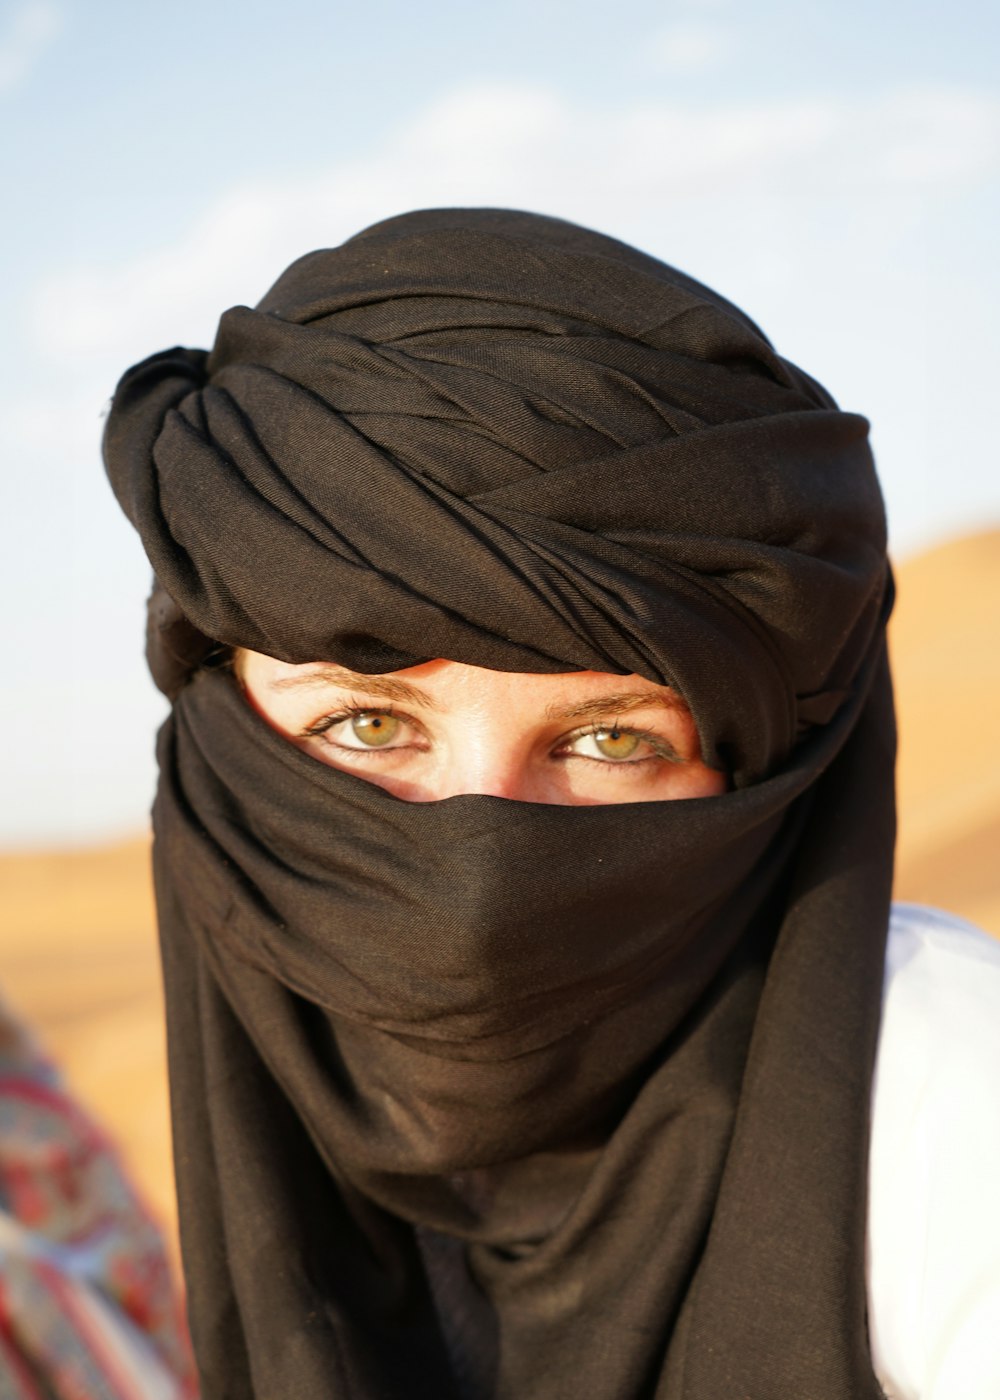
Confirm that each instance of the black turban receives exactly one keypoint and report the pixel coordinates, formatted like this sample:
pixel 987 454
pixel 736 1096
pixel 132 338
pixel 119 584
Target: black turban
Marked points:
pixel 478 1097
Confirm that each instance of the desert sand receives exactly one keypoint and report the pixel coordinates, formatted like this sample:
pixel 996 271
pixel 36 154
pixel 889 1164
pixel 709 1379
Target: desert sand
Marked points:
pixel 77 944
pixel 945 643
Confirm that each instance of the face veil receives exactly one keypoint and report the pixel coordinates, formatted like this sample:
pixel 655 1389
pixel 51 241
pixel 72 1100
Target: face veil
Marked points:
pixel 479 1097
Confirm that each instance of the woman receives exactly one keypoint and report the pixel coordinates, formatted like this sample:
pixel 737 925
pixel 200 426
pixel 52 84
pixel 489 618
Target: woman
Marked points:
pixel 561 1085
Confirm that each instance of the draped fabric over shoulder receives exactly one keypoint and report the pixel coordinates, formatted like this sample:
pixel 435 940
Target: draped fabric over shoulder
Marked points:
pixel 480 1098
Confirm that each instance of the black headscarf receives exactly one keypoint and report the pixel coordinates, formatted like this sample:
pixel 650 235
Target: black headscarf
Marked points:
pixel 479 1097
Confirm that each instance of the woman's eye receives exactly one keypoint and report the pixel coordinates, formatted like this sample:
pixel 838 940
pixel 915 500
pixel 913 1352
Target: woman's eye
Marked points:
pixel 373 731
pixel 365 729
pixel 615 745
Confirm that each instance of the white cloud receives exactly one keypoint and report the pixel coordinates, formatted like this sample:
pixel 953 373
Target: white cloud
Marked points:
pixel 689 47
pixel 32 28
pixel 808 212
pixel 927 135
pixel 624 171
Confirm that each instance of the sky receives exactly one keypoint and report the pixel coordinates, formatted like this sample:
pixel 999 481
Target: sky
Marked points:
pixel 834 168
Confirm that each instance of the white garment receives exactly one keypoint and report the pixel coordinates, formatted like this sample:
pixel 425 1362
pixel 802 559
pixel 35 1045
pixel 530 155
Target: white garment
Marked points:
pixel 934 1167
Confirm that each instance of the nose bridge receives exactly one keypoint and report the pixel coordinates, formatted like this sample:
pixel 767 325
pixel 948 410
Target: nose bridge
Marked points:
pixel 485 770
pixel 489 758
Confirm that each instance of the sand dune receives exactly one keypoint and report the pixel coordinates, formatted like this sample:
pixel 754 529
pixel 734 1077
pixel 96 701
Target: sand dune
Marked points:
pixel 78 959
pixel 945 641
pixel 77 940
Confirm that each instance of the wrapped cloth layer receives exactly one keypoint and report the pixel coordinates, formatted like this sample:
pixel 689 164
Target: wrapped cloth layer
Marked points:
pixel 499 440
pixel 480 1098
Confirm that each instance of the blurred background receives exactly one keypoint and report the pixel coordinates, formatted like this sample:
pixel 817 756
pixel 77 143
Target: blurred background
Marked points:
pixel 832 168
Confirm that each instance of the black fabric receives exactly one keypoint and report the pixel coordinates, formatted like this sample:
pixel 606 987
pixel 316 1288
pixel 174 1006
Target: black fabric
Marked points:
pixel 618 1057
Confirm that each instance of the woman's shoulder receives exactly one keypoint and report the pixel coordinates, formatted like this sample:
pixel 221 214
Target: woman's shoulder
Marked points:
pixel 934 1207
pixel 927 944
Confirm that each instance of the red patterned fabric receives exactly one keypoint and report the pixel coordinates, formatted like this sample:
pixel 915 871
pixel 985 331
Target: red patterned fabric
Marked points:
pixel 87 1306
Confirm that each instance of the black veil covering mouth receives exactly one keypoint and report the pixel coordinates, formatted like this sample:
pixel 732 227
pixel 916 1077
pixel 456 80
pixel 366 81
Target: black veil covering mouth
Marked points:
pixel 618 1058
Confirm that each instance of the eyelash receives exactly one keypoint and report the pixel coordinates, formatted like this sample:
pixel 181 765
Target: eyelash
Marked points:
pixel 662 749
pixel 348 712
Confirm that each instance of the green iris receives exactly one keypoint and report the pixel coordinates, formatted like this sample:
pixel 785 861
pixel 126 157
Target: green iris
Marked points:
pixel 375 731
pixel 613 743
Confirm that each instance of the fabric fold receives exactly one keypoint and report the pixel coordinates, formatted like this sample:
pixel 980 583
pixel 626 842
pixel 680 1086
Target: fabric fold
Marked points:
pixel 596 1076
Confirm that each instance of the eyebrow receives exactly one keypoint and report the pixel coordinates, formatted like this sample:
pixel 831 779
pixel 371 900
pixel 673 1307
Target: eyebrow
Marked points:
pixel 621 703
pixel 386 687
pixel 391 688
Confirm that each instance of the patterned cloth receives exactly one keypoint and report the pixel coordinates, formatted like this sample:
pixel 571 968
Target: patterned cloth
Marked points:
pixel 87 1308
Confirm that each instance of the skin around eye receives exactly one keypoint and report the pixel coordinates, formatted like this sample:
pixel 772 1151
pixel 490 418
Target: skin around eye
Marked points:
pixel 617 745
pixel 444 728
pixel 372 732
